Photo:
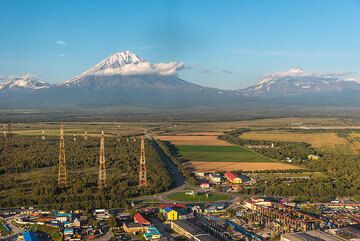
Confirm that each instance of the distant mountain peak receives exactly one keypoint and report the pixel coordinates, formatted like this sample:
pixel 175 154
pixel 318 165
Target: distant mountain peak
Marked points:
pixel 296 81
pixel 116 61
pixel 128 63
pixel 25 82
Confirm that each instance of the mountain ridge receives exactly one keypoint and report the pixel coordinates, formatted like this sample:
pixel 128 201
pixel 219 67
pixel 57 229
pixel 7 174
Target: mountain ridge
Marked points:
pixel 124 78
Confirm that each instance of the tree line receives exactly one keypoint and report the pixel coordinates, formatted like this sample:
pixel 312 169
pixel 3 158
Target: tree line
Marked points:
pixel 340 172
pixel 29 177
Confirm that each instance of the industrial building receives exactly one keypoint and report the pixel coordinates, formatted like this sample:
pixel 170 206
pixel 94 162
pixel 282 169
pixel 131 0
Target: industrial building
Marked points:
pixel 190 231
pixel 133 227
pixel 313 235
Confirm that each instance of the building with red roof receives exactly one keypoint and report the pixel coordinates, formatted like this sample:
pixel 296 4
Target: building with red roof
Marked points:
pixel 139 218
pixel 233 177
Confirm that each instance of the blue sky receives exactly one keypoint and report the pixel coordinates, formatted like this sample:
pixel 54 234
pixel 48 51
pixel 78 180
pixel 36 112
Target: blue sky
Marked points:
pixel 227 44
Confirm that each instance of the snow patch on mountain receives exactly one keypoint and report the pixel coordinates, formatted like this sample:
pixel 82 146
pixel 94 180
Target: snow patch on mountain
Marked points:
pixel 26 82
pixel 297 81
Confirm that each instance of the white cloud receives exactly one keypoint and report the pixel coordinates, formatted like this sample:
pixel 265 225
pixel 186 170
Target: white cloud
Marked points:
pixel 61 42
pixel 298 73
pixel 7 78
pixel 144 68
pixel 61 55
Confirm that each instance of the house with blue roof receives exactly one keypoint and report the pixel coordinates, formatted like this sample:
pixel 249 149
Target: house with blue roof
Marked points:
pixel 29 236
pixel 152 233
pixel 68 231
pixel 63 217
pixel 170 213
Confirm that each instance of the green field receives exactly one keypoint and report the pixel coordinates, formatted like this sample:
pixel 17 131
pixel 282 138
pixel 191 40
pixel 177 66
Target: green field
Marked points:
pixel 200 197
pixel 220 154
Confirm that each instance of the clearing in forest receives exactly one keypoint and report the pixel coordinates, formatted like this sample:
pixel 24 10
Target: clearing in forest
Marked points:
pixel 318 140
pixel 205 140
pixel 219 154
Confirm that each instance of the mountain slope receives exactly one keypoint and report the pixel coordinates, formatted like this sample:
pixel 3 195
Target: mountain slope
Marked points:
pixel 299 82
pixel 23 82
pixel 125 79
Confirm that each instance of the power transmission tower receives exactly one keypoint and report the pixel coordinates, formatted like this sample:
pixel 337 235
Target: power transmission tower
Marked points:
pixel 86 134
pixel 43 134
pixel 142 174
pixel 118 134
pixel 7 143
pixel 62 181
pixel 4 141
pixel 102 167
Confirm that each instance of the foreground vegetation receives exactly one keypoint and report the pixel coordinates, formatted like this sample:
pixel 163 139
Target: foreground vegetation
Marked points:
pixel 340 172
pixel 29 176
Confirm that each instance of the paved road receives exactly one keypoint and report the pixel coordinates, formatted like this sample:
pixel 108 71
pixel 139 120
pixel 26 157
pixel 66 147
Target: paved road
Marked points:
pixel 178 178
pixel 15 230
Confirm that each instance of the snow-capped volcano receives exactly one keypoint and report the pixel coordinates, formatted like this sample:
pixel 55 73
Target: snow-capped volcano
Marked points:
pixel 23 82
pixel 114 62
pixel 297 81
pixel 128 63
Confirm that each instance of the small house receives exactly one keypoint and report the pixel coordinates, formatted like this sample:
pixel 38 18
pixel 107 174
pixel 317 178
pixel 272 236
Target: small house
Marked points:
pixel 205 185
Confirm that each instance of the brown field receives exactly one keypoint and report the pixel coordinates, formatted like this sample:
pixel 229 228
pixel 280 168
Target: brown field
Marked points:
pixel 319 140
pixel 205 140
pixel 232 166
pixel 202 133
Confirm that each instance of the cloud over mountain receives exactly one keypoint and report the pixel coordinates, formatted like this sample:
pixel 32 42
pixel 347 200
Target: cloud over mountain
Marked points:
pixel 145 68
pixel 297 81
pixel 128 63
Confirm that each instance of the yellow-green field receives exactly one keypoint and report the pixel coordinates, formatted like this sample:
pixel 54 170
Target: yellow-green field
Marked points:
pixel 318 140
pixel 73 128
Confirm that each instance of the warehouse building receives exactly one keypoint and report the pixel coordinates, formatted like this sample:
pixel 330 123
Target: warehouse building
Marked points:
pixel 313 235
pixel 190 231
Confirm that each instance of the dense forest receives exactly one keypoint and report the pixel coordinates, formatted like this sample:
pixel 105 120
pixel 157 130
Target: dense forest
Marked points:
pixel 28 176
pixel 340 171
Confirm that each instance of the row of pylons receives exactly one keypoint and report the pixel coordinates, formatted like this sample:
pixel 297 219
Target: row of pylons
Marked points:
pixel 62 179
pixel 62 176
pixel 7 143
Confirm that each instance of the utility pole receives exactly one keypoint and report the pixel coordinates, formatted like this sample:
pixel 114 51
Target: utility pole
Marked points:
pixel 118 134
pixel 4 140
pixel 102 167
pixel 7 143
pixel 43 134
pixel 62 177
pixel 142 174
pixel 85 134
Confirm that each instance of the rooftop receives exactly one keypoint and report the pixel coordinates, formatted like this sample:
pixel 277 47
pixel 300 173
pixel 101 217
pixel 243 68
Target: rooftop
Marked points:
pixel 194 230
pixel 30 236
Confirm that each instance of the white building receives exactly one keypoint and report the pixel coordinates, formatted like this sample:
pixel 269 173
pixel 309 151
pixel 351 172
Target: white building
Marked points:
pixel 215 177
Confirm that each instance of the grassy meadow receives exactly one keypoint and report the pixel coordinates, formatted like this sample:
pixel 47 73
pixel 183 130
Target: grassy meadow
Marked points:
pixel 220 154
